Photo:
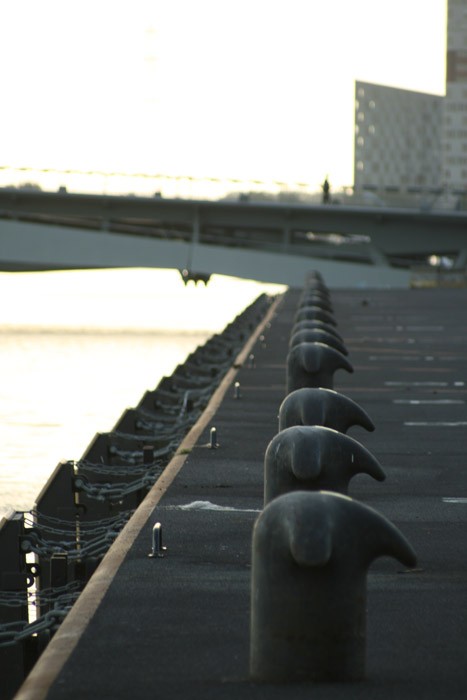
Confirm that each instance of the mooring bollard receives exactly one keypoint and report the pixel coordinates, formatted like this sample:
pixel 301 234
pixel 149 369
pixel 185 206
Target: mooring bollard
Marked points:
pixel 317 335
pixel 307 313
pixel 315 281
pixel 314 365
pixel 311 553
pixel 316 299
pixel 314 458
pixel 310 323
pixel 322 407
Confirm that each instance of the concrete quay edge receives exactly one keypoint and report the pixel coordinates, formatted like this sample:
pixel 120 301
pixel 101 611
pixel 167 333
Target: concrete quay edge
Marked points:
pixel 178 628
pixel 50 663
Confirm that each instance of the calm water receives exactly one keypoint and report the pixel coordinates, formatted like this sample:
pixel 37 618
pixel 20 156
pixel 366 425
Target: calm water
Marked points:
pixel 78 348
pixel 61 387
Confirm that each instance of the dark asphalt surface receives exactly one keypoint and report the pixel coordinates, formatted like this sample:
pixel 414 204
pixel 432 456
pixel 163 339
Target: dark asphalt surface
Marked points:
pixel 178 627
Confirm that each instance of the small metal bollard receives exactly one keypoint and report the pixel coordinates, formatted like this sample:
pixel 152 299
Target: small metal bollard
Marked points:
pixel 158 551
pixel 213 444
pixel 251 361
pixel 322 407
pixel 314 365
pixel 314 458
pixel 311 553
pixel 237 392
pixel 187 403
pixel 317 335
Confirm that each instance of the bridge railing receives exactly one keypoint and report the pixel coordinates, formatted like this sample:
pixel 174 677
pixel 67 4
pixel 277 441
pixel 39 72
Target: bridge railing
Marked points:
pixel 151 184
pixel 189 187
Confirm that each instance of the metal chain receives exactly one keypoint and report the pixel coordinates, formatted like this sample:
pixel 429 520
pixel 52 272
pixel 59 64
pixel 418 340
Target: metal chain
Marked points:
pixel 60 594
pixel 13 632
pixel 75 550
pixel 58 526
pixel 136 457
pixel 118 470
pixel 117 491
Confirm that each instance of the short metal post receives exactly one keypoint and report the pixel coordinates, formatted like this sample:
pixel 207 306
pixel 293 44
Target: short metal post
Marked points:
pixel 213 444
pixel 158 550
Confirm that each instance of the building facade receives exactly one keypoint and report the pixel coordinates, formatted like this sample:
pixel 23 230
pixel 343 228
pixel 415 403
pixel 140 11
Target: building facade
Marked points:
pixel 408 141
pixel 397 138
pixel 454 129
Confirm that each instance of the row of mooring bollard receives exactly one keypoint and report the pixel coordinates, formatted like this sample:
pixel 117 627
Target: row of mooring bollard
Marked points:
pixel 312 544
pixel 48 554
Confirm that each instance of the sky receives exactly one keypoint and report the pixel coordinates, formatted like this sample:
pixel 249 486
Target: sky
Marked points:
pixel 247 89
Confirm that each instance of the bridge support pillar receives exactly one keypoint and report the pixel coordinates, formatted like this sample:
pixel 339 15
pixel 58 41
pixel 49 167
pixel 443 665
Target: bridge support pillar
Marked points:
pixel 460 262
pixel 196 227
pixel 377 256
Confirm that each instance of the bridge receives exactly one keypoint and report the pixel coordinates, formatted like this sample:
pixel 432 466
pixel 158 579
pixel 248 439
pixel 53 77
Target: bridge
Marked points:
pixel 266 241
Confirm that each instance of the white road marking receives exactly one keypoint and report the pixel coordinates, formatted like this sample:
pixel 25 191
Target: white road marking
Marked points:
pixel 417 384
pixel 416 402
pixel 391 358
pixel 207 505
pixel 437 424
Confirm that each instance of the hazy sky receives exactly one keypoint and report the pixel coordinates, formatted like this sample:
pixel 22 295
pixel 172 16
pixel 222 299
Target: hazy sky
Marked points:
pixel 259 89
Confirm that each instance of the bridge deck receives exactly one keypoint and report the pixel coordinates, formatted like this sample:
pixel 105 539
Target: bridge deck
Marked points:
pixel 50 230
pixel 178 627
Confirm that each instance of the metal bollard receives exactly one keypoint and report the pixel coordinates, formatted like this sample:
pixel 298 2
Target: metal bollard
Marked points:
pixel 311 323
pixel 311 553
pixel 315 281
pixel 322 407
pixel 317 335
pixel 319 290
pixel 213 444
pixel 158 551
pixel 314 365
pixel 313 458
pixel 314 312
pixel 316 299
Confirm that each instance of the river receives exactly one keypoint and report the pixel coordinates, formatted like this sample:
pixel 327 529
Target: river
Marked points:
pixel 78 348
